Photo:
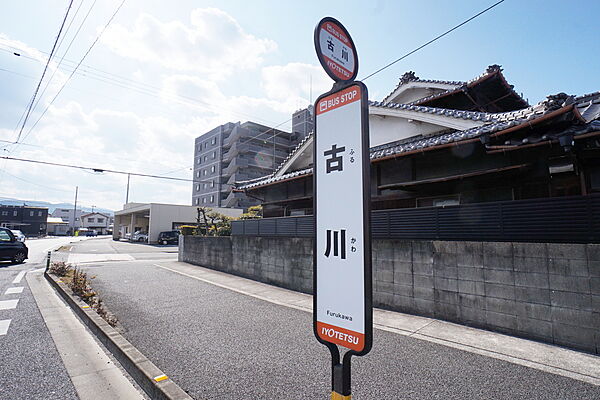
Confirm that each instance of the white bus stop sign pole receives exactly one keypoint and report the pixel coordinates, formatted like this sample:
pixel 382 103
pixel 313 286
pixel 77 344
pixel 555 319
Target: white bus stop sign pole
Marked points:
pixel 342 256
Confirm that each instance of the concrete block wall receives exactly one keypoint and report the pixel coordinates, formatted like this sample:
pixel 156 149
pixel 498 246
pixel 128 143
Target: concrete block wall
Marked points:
pixel 282 262
pixel 547 292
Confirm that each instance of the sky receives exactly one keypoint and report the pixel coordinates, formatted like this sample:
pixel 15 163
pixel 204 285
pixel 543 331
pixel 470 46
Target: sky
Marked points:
pixel 163 73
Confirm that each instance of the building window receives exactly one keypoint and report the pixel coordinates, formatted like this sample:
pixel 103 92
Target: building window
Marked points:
pixel 197 187
pixel 214 155
pixel 212 198
pixel 199 160
pixel 205 171
pixel 212 169
pixel 205 158
pixel 15 213
pixel 212 184
pixel 204 186
pixel 4 212
pixel 39 213
pixel 214 140
pixel 100 220
pixel 197 174
pixel 197 200
pixel 31 213
pixel 204 199
pixel 90 219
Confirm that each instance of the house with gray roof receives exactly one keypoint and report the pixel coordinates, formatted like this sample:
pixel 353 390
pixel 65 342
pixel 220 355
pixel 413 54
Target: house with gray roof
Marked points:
pixel 438 143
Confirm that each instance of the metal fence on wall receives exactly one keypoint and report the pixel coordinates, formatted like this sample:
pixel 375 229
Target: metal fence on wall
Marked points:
pixel 559 220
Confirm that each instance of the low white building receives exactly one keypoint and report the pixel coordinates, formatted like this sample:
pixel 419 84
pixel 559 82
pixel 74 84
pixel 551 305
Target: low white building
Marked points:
pixel 98 222
pixel 153 218
pixel 66 214
pixel 57 227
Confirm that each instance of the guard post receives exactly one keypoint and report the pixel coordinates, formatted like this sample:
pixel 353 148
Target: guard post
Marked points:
pixel 342 301
pixel 48 260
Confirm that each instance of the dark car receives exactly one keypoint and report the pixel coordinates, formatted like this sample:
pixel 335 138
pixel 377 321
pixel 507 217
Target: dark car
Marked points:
pixel 10 248
pixel 91 233
pixel 169 237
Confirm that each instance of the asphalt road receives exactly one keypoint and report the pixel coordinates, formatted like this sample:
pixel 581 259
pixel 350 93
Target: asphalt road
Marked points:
pixel 31 367
pixel 217 344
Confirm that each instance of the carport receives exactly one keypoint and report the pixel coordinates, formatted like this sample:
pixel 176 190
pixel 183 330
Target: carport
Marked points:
pixel 154 218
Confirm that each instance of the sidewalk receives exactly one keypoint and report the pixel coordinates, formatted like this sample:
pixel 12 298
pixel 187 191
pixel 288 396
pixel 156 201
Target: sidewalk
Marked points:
pixel 544 357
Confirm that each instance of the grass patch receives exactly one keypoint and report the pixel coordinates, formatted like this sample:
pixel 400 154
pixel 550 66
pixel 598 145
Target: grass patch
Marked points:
pixel 79 282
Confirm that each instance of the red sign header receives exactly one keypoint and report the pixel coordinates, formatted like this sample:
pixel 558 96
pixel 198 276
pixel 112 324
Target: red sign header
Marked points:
pixel 335 50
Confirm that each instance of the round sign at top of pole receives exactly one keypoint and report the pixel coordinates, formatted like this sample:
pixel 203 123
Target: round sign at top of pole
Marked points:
pixel 335 50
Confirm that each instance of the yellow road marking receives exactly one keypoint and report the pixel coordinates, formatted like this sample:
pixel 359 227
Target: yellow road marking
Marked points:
pixel 337 396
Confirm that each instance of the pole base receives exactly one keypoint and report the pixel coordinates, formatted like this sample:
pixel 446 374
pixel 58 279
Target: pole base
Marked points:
pixel 337 396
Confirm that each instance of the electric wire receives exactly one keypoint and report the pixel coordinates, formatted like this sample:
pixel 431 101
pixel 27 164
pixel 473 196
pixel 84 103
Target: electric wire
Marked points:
pixel 433 40
pixel 141 87
pixel 102 170
pixel 44 72
pixel 73 73
pixel 66 51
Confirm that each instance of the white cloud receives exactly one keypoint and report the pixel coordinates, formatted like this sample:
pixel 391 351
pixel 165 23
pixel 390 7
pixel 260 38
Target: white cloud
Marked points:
pixel 107 139
pixel 214 43
pixel 292 84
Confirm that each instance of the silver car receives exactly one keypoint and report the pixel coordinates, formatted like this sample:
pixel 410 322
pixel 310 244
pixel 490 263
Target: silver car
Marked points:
pixel 18 235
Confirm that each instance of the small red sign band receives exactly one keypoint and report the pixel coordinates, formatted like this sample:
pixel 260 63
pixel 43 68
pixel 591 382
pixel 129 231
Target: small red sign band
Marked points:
pixel 337 69
pixel 339 99
pixel 344 337
pixel 337 32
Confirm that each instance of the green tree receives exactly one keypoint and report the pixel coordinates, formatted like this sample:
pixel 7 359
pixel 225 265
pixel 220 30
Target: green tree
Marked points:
pixel 254 212
pixel 212 223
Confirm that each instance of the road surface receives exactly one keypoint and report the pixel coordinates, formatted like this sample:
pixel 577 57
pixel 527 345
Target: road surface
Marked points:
pixel 31 365
pixel 216 343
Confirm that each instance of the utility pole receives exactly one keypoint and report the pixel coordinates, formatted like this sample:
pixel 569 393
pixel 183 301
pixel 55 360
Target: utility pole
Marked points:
pixel 93 206
pixel 127 195
pixel 75 210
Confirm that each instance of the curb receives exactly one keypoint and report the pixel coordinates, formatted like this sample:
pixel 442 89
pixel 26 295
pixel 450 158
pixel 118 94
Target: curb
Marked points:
pixel 150 378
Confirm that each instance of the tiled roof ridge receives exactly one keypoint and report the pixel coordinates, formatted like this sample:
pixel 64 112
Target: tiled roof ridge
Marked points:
pixel 494 122
pixel 300 144
pixel 272 179
pixel 473 115
pixel 410 76
pixel 587 97
pixel 490 70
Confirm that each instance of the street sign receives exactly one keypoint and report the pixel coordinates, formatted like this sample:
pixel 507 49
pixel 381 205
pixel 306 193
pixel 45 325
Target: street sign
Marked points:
pixel 342 254
pixel 342 299
pixel 335 50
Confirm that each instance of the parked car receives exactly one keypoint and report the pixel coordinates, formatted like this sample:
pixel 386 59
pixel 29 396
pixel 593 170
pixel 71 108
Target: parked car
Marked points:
pixel 18 234
pixel 10 248
pixel 91 233
pixel 139 236
pixel 168 237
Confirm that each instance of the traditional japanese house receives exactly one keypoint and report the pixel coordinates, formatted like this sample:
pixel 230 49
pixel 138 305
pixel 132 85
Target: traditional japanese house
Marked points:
pixel 437 143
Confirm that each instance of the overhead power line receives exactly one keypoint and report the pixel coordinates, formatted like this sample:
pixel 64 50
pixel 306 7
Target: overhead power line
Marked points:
pixel 74 70
pixel 432 40
pixel 139 87
pixel 30 105
pixel 57 48
pixel 67 50
pixel 101 170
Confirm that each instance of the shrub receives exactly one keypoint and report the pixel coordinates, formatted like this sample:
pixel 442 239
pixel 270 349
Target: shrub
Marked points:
pixel 59 268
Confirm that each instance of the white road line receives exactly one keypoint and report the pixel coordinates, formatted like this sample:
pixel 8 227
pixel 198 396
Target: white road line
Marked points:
pixel 4 326
pixel 14 290
pixel 8 304
pixel 19 277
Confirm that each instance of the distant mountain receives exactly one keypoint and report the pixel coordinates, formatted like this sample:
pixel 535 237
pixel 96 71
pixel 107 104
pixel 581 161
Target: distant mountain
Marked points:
pixel 51 206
